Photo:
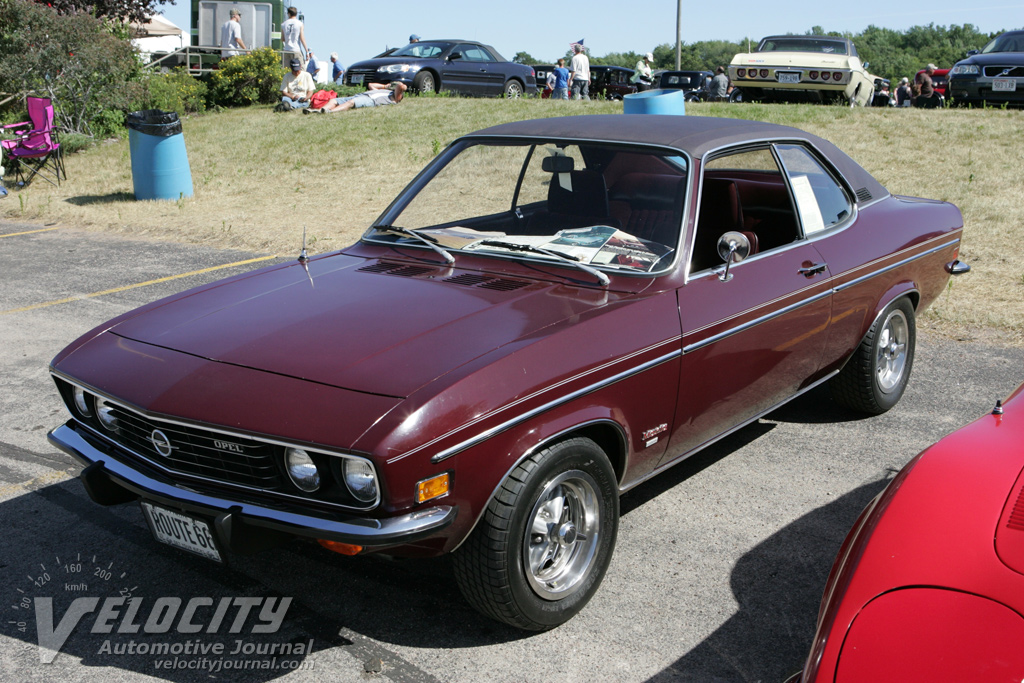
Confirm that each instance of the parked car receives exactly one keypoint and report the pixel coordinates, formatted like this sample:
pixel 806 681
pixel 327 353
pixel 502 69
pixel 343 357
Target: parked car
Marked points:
pixel 610 82
pixel 541 72
pixel 929 583
pixel 694 83
pixel 993 75
pixel 552 312
pixel 806 68
pixel 460 66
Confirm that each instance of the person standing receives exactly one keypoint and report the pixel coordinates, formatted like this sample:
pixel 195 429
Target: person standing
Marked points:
pixel 293 35
pixel 925 87
pixel 719 91
pixel 414 38
pixel 316 69
pixel 560 90
pixel 579 72
pixel 337 70
pixel 642 76
pixel 231 35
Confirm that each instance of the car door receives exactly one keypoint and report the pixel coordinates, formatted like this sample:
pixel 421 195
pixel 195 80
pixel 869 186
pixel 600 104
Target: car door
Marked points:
pixel 467 71
pixel 754 336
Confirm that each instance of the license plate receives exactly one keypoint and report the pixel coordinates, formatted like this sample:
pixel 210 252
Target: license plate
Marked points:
pixel 788 77
pixel 181 531
pixel 357 78
pixel 1004 84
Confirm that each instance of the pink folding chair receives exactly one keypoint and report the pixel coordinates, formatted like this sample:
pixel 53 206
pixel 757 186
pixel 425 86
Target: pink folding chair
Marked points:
pixel 35 150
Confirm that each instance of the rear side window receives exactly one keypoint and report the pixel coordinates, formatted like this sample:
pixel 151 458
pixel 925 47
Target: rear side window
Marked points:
pixel 820 200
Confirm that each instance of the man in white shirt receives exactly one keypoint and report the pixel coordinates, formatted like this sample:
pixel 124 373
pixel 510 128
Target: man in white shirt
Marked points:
pixel 293 35
pixel 296 88
pixel 231 35
pixel 580 73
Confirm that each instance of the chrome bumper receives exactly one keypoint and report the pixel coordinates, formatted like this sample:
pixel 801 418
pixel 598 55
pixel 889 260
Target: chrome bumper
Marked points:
pixel 241 526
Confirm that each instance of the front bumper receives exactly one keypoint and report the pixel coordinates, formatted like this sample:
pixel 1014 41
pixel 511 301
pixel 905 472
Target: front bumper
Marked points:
pixel 979 89
pixel 242 526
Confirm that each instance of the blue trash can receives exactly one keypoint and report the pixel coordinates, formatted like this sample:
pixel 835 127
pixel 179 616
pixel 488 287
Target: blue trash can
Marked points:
pixel 671 102
pixel 160 167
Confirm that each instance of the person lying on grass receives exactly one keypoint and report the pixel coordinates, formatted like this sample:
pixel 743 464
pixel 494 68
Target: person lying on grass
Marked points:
pixel 378 95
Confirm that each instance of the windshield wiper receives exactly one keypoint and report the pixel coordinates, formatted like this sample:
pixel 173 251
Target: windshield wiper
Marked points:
pixel 426 239
pixel 564 258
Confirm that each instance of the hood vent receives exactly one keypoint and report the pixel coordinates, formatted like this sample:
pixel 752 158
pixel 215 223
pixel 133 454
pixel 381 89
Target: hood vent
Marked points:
pixel 1016 520
pixel 486 282
pixel 397 269
pixel 864 195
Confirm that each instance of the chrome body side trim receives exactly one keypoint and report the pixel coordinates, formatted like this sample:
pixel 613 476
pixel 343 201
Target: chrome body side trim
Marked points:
pixel 523 417
pixel 361 531
pixel 909 259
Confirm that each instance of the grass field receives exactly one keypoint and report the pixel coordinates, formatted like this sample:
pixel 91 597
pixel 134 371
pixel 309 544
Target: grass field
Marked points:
pixel 261 177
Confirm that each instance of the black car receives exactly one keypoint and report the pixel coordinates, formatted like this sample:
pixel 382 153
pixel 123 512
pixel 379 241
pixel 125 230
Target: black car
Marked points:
pixel 994 74
pixel 465 67
pixel 610 82
pixel 693 83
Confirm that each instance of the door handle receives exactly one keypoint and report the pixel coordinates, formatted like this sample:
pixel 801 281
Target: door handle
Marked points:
pixel 813 269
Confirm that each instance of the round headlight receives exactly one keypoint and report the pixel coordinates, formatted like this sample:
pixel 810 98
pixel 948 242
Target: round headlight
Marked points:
pixel 80 403
pixel 105 413
pixel 301 469
pixel 360 479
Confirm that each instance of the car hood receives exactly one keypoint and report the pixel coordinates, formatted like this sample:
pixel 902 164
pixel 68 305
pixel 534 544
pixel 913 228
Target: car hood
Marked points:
pixel 995 59
pixel 385 328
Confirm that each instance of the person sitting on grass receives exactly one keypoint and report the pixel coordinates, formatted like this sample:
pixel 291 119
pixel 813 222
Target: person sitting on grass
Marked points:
pixel 378 95
pixel 296 88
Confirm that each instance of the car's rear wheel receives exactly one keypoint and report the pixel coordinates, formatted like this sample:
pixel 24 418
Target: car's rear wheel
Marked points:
pixel 424 82
pixel 544 542
pixel 736 95
pixel 875 378
pixel 513 89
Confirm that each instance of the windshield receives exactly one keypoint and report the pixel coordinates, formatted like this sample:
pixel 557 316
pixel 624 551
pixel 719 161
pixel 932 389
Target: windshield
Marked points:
pixel 421 50
pixel 597 205
pixel 794 44
pixel 1008 42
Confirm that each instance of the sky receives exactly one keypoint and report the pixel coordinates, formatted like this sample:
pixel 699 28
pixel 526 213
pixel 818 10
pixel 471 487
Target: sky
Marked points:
pixel 359 30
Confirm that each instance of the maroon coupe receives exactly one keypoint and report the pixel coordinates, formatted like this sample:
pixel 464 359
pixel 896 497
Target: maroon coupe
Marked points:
pixel 552 312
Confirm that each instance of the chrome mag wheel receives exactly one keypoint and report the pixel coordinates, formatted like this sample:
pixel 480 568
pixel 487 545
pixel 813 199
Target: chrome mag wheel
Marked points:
pixel 892 350
pixel 560 545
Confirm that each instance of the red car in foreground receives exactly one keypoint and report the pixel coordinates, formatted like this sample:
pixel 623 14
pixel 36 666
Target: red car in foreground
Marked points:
pixel 929 584
pixel 552 312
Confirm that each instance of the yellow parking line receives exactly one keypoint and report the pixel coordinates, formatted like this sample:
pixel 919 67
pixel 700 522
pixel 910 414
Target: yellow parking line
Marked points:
pixel 139 284
pixel 30 232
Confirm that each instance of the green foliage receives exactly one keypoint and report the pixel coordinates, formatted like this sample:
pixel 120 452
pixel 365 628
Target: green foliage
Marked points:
pixel 253 78
pixel 176 91
pixel 86 66
pixel 134 10
pixel 524 58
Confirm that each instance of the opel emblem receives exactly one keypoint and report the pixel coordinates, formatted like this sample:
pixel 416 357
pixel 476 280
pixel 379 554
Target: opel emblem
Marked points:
pixel 161 443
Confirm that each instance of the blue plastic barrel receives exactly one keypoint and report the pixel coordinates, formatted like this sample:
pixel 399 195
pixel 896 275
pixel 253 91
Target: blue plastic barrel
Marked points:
pixel 160 167
pixel 671 102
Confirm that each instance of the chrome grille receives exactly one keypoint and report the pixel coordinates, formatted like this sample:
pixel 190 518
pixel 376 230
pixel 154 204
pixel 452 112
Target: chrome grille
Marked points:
pixel 1011 71
pixel 368 76
pixel 200 452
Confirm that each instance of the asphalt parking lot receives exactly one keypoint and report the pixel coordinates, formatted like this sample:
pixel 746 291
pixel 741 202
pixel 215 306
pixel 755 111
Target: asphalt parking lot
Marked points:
pixel 717 574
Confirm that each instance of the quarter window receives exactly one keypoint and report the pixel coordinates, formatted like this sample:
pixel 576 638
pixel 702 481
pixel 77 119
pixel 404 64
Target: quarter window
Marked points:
pixel 819 199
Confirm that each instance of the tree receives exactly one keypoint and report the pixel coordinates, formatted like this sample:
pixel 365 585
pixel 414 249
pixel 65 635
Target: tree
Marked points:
pixel 132 10
pixel 87 67
pixel 524 58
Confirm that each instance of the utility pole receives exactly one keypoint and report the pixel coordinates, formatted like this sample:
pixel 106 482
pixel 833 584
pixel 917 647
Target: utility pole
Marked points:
pixel 679 42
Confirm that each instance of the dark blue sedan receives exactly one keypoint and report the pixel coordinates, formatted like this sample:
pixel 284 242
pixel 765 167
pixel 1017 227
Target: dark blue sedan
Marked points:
pixel 460 66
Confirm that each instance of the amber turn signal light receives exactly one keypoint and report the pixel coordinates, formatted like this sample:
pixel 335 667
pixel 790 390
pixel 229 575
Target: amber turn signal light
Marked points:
pixel 343 548
pixel 435 487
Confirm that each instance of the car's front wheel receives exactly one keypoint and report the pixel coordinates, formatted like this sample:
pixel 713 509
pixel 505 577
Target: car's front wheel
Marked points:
pixel 736 96
pixel 424 82
pixel 513 89
pixel 544 542
pixel 875 378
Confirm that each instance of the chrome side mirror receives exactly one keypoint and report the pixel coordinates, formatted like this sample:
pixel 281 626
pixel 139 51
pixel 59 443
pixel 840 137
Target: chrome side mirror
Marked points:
pixel 733 247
